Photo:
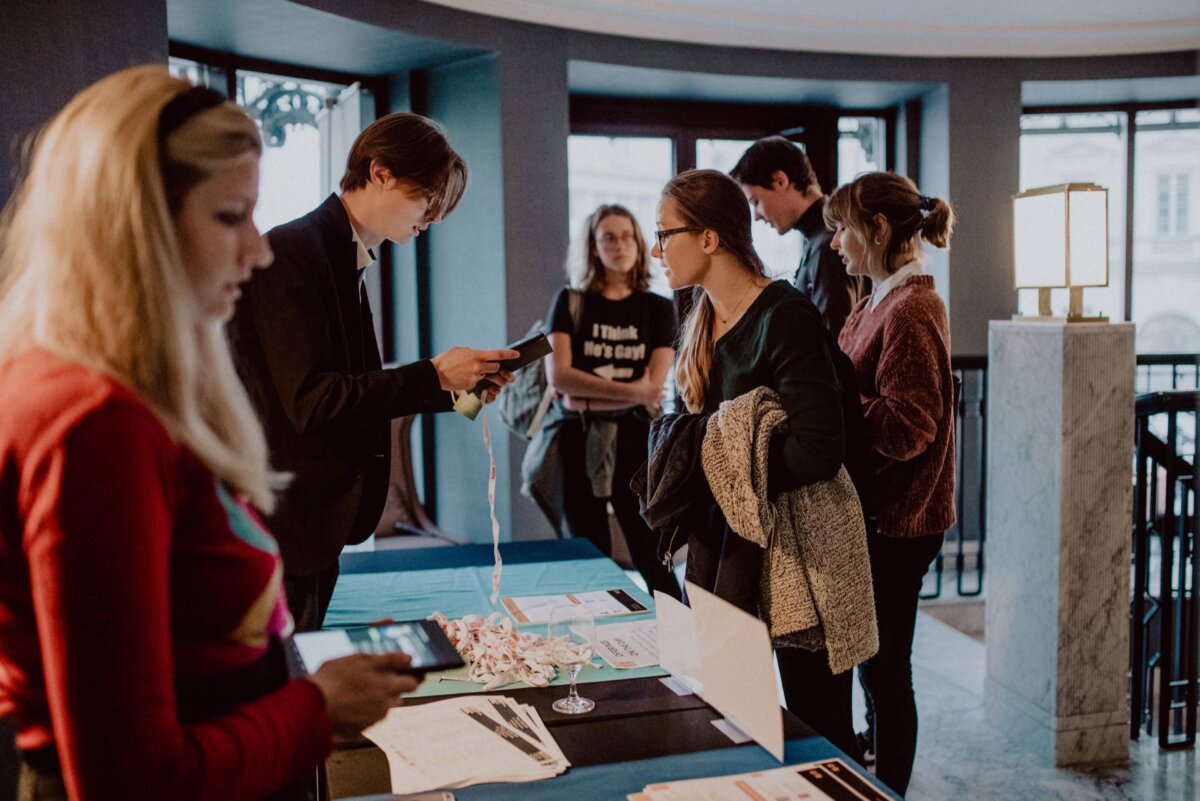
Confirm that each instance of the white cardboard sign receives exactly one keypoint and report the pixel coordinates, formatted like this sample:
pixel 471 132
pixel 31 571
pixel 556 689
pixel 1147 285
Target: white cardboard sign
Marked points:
pixel 726 654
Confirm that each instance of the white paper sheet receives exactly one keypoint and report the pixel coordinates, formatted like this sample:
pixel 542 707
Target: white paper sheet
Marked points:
pixel 628 645
pixel 463 741
pixel 737 668
pixel 731 731
pixel 678 651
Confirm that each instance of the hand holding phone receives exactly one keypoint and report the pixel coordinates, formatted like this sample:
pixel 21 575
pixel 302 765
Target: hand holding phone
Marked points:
pixel 360 688
pixel 529 350
pixel 459 369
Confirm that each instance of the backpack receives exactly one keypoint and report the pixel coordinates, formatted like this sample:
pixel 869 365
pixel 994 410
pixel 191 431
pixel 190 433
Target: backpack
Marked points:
pixel 523 403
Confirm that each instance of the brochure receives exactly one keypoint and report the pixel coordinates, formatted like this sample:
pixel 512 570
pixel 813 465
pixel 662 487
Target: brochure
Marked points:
pixel 828 780
pixel 628 645
pixel 601 603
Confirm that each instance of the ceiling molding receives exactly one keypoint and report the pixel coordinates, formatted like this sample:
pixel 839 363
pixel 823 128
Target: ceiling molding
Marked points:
pixel 931 28
pixel 287 32
pixel 618 80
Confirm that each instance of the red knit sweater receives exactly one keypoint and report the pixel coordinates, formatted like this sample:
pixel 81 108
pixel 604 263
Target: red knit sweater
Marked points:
pixel 126 573
pixel 901 354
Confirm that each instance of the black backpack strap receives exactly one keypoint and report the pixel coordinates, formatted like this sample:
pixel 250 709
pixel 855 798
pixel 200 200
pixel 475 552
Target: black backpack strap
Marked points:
pixel 575 306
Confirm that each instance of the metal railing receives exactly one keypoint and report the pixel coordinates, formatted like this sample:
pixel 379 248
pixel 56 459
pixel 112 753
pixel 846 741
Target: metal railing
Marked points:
pixel 1165 607
pixel 1162 371
pixel 966 541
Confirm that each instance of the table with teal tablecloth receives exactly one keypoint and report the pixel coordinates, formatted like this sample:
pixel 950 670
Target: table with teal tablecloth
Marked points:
pixel 640 731
pixel 457 581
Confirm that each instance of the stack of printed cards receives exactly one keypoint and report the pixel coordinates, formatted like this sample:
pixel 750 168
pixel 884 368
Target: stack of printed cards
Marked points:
pixel 463 741
pixel 831 780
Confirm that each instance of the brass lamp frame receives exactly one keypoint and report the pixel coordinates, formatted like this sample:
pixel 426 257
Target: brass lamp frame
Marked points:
pixel 1075 302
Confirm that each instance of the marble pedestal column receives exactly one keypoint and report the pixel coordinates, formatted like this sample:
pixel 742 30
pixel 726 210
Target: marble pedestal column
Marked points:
pixel 1059 500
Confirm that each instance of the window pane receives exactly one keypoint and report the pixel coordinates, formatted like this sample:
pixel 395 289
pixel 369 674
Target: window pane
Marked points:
pixel 628 170
pixel 862 147
pixel 197 73
pixel 1164 204
pixel 286 112
pixel 1166 240
pixel 781 254
pixel 631 171
pixel 1080 148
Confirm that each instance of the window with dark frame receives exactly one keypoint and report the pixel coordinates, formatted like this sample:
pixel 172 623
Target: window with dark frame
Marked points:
pixel 1148 156
pixel 622 150
pixel 702 134
pixel 285 101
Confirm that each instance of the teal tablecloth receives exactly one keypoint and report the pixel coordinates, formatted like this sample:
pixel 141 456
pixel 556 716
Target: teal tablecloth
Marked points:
pixel 361 598
pixel 614 781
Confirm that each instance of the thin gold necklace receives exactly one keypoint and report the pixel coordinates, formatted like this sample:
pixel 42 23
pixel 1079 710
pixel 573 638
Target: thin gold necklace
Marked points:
pixel 725 320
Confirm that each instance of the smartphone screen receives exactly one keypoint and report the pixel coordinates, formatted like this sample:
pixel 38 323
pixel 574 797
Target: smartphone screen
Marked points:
pixel 423 640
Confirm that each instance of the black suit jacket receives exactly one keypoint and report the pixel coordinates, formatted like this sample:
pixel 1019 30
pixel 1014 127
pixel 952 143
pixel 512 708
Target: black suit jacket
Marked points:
pixel 821 275
pixel 304 342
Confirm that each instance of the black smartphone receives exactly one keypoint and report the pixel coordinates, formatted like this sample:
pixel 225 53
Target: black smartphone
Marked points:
pixel 423 640
pixel 531 349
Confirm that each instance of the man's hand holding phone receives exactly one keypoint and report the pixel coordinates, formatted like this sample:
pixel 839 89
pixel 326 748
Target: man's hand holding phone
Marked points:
pixel 462 369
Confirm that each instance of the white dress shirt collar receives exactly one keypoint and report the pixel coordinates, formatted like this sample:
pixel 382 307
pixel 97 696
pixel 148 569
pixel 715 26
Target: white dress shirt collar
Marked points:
pixel 365 257
pixel 894 280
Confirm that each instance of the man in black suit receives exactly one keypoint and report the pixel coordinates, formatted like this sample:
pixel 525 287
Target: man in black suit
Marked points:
pixel 305 346
pixel 782 188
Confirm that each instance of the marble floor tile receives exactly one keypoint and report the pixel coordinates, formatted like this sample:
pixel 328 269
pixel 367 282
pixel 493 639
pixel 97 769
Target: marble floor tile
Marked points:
pixel 960 756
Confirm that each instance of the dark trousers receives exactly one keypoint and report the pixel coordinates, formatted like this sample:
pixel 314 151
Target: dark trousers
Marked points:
pixel 48 785
pixel 587 516
pixel 308 597
pixel 897 567
pixel 817 696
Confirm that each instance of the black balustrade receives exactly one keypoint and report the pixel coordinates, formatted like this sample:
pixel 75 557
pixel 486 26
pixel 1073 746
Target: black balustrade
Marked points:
pixel 1165 609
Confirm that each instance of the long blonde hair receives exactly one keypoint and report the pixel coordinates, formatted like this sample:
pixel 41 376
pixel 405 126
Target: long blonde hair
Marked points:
pixel 712 200
pixel 90 266
pixel 585 269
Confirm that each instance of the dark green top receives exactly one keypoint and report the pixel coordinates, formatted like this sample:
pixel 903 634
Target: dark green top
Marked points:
pixel 781 342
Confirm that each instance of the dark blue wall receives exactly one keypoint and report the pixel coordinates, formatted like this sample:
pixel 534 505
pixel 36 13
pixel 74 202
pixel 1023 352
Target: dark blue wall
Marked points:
pixel 51 49
pixel 467 280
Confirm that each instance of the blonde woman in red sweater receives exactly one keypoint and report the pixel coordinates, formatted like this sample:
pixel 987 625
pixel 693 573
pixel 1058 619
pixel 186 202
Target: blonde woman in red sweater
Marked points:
pixel 142 613
pixel 899 340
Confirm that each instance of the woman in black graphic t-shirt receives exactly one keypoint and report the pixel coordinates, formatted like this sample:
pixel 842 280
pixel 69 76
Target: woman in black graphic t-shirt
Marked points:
pixel 609 366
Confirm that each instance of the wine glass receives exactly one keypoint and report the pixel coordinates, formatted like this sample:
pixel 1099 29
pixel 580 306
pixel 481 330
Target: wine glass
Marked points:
pixel 571 634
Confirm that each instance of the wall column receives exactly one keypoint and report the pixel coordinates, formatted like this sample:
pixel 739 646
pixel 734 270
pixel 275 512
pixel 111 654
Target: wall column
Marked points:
pixel 1060 444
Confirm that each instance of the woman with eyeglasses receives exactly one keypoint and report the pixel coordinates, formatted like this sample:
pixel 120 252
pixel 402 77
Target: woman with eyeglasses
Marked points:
pixel 611 355
pixel 745 333
pixel 142 615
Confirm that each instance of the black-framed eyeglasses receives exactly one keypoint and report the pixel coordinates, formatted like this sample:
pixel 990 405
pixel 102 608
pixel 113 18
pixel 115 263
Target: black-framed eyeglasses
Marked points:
pixel 661 236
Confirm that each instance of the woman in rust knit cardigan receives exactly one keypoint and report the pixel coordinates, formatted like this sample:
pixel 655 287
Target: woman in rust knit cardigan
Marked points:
pixel 899 341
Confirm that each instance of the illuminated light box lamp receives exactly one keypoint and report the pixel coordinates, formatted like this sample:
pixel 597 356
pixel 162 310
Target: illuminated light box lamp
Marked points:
pixel 1060 239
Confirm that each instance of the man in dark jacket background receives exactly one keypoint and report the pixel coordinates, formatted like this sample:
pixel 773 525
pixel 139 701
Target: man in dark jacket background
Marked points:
pixel 782 188
pixel 304 341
